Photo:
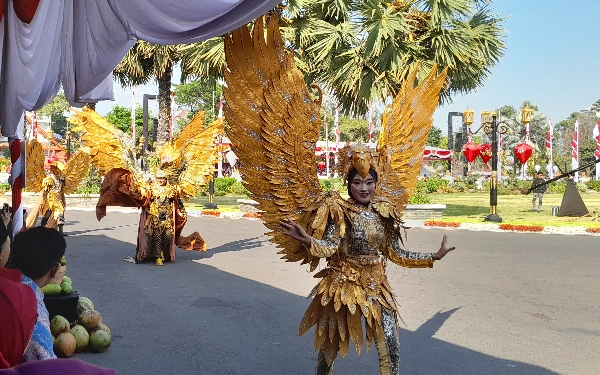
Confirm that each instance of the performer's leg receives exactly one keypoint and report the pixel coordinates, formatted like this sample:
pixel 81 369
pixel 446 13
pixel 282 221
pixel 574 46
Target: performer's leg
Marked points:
pixel 61 223
pixel 540 202
pixel 45 218
pixel 322 367
pixel 533 202
pixel 388 345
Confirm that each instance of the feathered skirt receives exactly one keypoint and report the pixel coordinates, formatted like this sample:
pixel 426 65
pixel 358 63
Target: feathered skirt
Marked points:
pixel 352 290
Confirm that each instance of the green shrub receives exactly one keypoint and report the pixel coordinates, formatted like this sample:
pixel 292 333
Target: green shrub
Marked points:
pixel 593 185
pixel 557 187
pixel 223 184
pixel 434 183
pixel 419 198
pixel 458 186
pixel 238 189
pixel 332 184
pixel 581 187
pixel 90 188
pixel 4 188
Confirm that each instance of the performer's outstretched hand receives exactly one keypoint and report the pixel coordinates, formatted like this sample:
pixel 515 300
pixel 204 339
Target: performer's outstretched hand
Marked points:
pixel 295 231
pixel 443 250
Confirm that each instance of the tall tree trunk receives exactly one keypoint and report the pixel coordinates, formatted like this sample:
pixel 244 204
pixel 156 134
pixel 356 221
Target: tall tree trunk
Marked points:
pixel 164 105
pixel 91 106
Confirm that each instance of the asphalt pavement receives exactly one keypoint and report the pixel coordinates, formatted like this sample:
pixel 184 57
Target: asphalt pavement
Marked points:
pixel 502 303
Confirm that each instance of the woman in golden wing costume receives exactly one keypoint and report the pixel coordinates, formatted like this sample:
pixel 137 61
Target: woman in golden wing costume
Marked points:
pixel 52 186
pixel 185 165
pixel 274 128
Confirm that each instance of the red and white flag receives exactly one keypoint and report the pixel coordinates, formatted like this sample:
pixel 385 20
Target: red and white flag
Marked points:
pixel 133 115
pixel 34 126
pixel 549 147
pixel 597 152
pixel 575 151
pixel 220 106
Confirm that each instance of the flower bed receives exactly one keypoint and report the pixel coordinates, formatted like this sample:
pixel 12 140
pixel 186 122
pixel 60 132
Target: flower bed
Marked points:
pixel 210 213
pixel 593 230
pixel 444 224
pixel 521 228
pixel 252 215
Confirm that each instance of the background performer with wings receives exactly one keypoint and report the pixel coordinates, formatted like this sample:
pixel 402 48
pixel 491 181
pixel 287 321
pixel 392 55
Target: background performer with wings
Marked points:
pixel 275 124
pixel 52 186
pixel 184 165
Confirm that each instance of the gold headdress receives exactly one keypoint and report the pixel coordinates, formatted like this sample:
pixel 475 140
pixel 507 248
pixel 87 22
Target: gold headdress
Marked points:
pixel 359 157
pixel 160 174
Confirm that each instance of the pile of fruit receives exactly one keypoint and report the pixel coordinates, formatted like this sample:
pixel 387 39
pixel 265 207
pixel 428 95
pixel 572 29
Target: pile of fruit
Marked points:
pixel 86 333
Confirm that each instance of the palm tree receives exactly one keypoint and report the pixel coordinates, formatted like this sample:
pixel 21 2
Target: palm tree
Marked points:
pixel 144 62
pixel 362 50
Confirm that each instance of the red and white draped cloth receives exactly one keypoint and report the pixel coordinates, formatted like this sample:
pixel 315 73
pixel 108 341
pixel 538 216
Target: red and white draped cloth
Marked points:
pixel 596 134
pixel 76 44
pixel 575 151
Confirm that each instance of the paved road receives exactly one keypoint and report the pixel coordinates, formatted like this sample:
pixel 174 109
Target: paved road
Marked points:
pixel 503 303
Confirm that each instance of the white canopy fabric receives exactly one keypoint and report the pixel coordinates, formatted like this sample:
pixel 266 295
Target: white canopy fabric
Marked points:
pixel 77 43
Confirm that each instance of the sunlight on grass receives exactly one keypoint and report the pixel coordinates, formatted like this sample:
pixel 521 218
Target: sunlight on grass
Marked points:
pixel 514 209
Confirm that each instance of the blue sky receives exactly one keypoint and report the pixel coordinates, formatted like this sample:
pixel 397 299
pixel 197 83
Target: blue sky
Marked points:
pixel 552 60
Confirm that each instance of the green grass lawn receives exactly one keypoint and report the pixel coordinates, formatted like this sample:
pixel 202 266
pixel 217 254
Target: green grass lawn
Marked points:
pixel 227 203
pixel 513 209
pixel 468 207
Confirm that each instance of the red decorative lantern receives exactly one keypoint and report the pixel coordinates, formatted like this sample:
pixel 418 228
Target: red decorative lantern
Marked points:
pixel 471 151
pixel 486 152
pixel 523 152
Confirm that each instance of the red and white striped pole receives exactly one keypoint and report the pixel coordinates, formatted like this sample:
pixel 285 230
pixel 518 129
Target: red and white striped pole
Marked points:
pixel 17 182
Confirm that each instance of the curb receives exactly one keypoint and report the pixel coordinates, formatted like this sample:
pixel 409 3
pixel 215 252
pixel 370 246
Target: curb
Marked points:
pixel 427 224
pixel 519 228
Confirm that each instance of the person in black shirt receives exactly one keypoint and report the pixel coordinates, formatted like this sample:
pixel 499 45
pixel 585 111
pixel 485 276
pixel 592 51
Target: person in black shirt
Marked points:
pixel 538 193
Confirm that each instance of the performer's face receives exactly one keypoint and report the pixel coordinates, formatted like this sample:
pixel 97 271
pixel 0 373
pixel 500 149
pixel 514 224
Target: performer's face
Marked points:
pixel 363 189
pixel 162 181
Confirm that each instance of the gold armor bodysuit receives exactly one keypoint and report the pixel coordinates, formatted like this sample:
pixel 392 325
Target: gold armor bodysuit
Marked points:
pixel 354 287
pixel 53 205
pixel 159 225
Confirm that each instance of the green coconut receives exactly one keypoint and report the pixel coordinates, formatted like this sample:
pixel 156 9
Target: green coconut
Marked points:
pixel 66 287
pixel 103 327
pixel 82 337
pixel 99 341
pixel 58 325
pixel 67 279
pixel 83 304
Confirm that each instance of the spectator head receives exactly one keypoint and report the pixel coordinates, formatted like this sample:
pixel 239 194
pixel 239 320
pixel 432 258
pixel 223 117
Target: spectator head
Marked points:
pixel 37 253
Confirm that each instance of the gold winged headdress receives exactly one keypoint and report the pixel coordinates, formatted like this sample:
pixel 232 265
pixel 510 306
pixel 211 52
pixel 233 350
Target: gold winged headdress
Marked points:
pixel 187 162
pixel 274 126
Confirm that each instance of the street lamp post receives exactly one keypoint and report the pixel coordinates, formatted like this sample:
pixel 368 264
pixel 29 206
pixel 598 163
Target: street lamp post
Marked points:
pixel 491 127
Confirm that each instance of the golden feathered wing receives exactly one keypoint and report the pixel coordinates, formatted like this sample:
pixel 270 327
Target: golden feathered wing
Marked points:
pixel 76 170
pixel 108 146
pixel 274 124
pixel 406 125
pixel 35 173
pixel 198 154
